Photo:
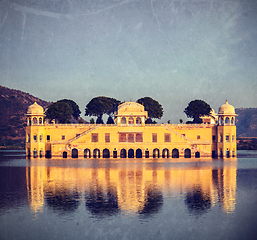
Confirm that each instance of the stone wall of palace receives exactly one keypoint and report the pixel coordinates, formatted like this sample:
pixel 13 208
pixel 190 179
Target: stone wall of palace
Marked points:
pixel 111 141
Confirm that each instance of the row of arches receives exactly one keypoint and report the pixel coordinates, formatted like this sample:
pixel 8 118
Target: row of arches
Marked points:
pixel 131 153
pixel 35 121
pixel 226 121
pixel 131 121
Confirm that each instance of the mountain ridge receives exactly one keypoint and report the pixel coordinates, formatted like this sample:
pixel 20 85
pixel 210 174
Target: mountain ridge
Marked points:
pixel 13 107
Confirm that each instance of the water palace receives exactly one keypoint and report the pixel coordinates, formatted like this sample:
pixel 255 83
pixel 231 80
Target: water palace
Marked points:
pixel 130 137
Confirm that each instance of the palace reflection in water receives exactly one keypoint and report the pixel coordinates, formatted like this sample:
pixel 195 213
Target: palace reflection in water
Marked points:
pixel 109 188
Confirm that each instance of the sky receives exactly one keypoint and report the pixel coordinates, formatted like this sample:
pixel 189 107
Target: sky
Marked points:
pixel 171 51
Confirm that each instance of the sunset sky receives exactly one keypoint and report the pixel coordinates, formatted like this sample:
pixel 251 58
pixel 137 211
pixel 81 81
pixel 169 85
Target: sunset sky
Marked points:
pixel 172 51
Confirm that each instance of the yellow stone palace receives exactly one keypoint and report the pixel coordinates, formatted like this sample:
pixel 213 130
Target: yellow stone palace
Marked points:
pixel 130 137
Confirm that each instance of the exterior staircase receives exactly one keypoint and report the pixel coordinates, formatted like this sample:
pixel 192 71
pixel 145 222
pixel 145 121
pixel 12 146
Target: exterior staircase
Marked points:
pixel 82 134
pixel 186 138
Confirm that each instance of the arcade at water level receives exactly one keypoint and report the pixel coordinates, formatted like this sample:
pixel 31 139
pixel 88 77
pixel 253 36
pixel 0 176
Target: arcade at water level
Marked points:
pixel 131 137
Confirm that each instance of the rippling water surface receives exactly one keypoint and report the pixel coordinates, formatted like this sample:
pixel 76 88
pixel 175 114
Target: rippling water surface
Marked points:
pixel 128 199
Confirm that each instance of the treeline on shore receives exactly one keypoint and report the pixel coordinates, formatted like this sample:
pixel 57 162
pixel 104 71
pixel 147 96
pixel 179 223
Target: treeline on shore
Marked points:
pixel 247 143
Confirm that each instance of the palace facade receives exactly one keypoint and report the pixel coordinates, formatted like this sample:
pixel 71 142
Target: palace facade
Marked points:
pixel 131 137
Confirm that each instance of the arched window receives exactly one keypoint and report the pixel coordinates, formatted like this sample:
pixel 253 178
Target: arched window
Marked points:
pixel 147 154
pixel 74 153
pixel 139 137
pixel 28 152
pixel 156 153
pixel 87 153
pixel 187 153
pixel 232 121
pixel 34 120
pixel 35 137
pixel 138 121
pixel 41 137
pixel 221 120
pixel 29 121
pixel 138 153
pixel 130 153
pixel 123 121
pixel 41 153
pixel 115 154
pixel 40 121
pixel 165 153
pixel 228 153
pixel 131 121
pixel 131 137
pixel 175 153
pixel 221 153
pixel 35 153
pixel 123 153
pixel 227 120
pixel 106 153
pixel 227 138
pixel 233 152
pixel 96 153
pixel 64 154
pixel 197 154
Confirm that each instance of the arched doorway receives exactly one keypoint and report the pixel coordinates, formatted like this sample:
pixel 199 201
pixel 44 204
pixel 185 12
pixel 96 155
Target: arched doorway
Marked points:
pixel 123 153
pixel 106 153
pixel 227 153
pixel 74 153
pixel 64 154
pixel 130 153
pixel 175 153
pixel 96 153
pixel 221 153
pixel 165 153
pixel 41 153
pixel 28 152
pixel 187 153
pixel 48 154
pixel 35 153
pixel 197 154
pixel 138 153
pixel 146 154
pixel 156 153
pixel 87 153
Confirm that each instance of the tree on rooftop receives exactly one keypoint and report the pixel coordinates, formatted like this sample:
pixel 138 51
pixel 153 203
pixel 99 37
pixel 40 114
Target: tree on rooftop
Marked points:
pixel 99 106
pixel 196 109
pixel 153 108
pixel 74 106
pixel 60 111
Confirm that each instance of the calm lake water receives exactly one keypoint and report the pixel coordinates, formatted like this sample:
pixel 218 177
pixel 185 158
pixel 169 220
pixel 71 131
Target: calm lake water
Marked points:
pixel 128 199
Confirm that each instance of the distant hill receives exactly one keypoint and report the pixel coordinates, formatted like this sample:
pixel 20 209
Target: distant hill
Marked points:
pixel 13 107
pixel 246 122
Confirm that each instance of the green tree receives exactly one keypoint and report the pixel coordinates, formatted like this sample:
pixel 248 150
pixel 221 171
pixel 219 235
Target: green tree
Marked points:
pixel 59 111
pixel 110 120
pixel 99 106
pixel 197 109
pixel 92 121
pixel 74 106
pixel 153 107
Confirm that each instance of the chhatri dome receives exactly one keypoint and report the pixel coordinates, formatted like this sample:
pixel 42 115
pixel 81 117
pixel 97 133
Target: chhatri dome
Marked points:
pixel 227 109
pixel 35 109
pixel 131 108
